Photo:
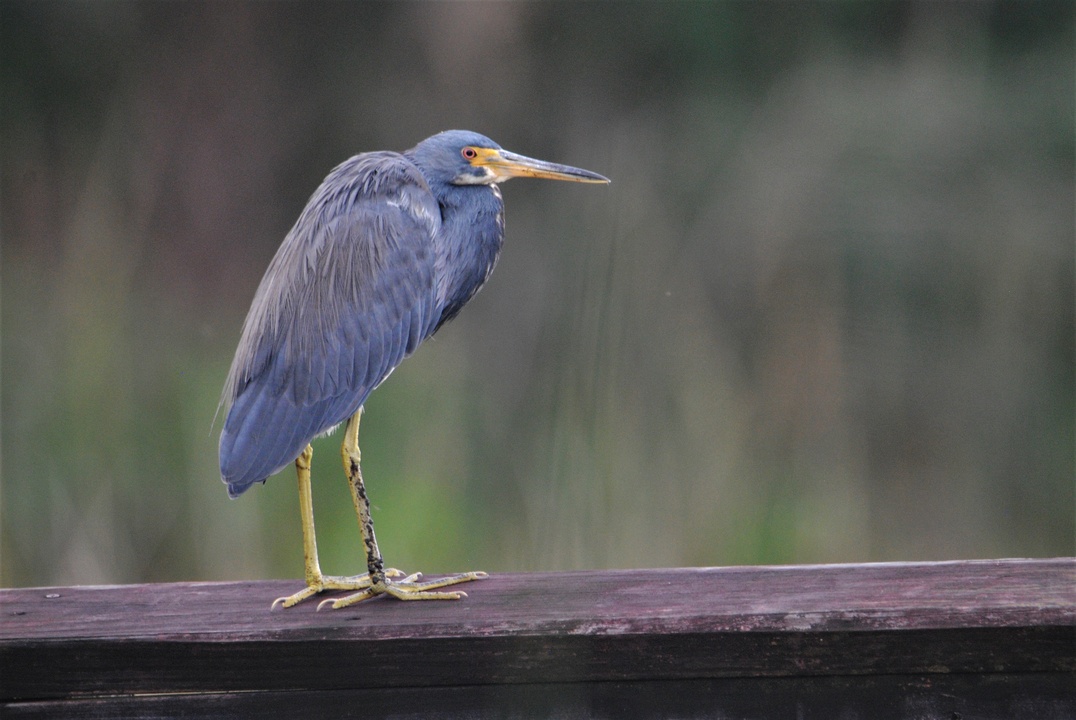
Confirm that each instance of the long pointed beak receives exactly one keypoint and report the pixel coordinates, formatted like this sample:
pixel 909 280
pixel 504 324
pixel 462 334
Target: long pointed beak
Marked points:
pixel 505 165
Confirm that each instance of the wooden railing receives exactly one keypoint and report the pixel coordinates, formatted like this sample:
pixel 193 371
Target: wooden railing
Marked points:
pixel 948 640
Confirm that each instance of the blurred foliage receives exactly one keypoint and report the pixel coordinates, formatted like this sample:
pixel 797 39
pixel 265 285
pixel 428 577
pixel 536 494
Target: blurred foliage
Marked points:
pixel 824 312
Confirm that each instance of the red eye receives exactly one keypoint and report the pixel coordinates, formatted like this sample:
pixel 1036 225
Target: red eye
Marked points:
pixel 469 153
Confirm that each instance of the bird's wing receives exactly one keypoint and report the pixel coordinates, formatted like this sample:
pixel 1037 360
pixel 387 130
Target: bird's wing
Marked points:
pixel 348 295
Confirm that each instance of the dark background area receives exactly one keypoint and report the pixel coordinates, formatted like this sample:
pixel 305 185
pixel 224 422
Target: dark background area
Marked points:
pixel 824 312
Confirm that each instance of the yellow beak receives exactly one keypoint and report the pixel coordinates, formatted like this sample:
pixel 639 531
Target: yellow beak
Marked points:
pixel 505 165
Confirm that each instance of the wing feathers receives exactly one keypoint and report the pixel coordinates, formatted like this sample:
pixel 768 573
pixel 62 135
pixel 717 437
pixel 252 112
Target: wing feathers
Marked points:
pixel 348 295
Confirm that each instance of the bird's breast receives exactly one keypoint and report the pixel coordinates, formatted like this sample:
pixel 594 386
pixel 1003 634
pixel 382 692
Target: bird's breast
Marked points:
pixel 472 233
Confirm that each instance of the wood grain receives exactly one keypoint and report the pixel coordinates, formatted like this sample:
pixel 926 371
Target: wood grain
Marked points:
pixel 1003 623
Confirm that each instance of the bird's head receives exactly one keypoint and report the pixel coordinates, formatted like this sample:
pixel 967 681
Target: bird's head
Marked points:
pixel 461 157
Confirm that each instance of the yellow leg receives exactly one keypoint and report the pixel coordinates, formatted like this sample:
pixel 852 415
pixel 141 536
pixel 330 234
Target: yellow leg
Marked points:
pixel 407 589
pixel 315 581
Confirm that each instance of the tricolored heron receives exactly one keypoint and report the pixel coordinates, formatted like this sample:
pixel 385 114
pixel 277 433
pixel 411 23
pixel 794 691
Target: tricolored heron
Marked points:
pixel 389 248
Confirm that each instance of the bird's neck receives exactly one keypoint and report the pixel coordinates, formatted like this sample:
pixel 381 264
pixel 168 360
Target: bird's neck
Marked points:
pixel 472 233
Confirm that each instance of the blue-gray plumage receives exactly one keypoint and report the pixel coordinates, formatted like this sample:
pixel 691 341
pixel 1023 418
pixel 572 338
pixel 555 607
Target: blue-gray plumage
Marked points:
pixel 389 248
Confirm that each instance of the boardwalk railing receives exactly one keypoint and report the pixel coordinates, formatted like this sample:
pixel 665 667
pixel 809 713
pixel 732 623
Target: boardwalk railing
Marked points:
pixel 948 640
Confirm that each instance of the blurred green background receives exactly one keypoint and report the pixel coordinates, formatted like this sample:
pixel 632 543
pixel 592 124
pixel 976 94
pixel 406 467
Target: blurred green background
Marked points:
pixel 824 313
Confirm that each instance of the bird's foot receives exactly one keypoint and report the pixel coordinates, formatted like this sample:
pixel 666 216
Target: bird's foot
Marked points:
pixel 322 583
pixel 407 589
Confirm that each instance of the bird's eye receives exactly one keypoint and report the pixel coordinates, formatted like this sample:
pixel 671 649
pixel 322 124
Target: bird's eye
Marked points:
pixel 469 153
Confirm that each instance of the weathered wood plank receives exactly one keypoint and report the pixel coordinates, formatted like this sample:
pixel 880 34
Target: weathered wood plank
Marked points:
pixel 907 596
pixel 1041 696
pixel 999 617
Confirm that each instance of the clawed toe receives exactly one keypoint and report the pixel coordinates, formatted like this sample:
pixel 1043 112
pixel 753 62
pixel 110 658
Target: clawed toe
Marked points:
pixel 409 588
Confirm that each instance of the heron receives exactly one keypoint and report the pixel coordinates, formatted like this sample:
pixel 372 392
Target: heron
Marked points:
pixel 388 249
